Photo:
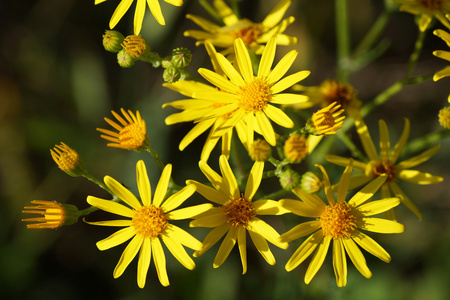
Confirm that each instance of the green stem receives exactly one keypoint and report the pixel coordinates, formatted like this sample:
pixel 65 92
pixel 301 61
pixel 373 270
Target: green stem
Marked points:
pixel 211 10
pixel 416 53
pixel 98 182
pixel 235 8
pixel 156 157
pixel 351 146
pixel 427 141
pixel 343 40
pixel 276 195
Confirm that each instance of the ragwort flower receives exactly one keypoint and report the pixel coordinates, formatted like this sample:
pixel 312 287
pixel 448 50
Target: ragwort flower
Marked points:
pixel 149 223
pixel 327 120
pixel 132 133
pixel 236 214
pixel 340 222
pixel 254 35
pixel 241 100
pixel 53 214
pixel 124 5
pixel 386 163
pixel 442 54
pixel 427 10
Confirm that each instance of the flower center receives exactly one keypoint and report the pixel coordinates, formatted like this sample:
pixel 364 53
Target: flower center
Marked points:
pixel 337 92
pixel 327 120
pixel 254 96
pixel 384 167
pixel 135 45
pixel 132 135
pixel 148 221
pixel 239 212
pixel 338 221
pixel 431 4
pixel 249 34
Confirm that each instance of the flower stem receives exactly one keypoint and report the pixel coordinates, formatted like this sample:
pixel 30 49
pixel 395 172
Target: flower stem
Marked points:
pixel 416 53
pixel 426 141
pixel 343 40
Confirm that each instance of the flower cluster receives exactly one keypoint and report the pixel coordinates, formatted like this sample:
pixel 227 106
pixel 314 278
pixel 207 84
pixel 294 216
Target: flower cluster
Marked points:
pixel 270 127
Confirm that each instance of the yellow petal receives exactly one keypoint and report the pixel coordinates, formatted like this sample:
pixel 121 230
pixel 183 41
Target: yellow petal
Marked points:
pixel 188 212
pixel 114 223
pixel 300 230
pixel 123 193
pixel 275 16
pixel 368 191
pixel 229 70
pixel 305 250
pixel 266 128
pixel 128 254
pixel 209 193
pixel 357 257
pixel 344 183
pixel 243 60
pixel 218 81
pixel 368 244
pixel 289 99
pixel 401 142
pixel 282 67
pixel 376 207
pixel 385 143
pixel 342 161
pixel 339 263
pixel 183 237
pixel 263 247
pixel 212 238
pixel 278 116
pixel 215 179
pixel 143 183
pixel 178 198
pixel 317 259
pixel 289 81
pixel 380 225
pixel 163 184
pixel 268 207
pixel 225 248
pixel 121 9
pixel 265 230
pixel 110 206
pixel 327 185
pixel 155 8
pixel 178 252
pixel 312 200
pixel 242 245
pixel 366 140
pixel 117 238
pixel 301 208
pixel 267 59
pixel 160 261
pixel 418 159
pixel 405 199
pixel 418 177
pixel 229 180
pixel 145 256
pixel 203 23
pixel 139 16
pixel 254 180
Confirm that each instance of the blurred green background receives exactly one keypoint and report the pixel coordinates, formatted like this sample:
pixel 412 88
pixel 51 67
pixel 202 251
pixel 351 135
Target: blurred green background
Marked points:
pixel 57 83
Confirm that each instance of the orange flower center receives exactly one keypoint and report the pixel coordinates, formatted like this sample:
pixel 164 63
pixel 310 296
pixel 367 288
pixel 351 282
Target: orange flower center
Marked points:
pixel 254 95
pixel 148 221
pixel 338 221
pixel 132 135
pixel 249 34
pixel 384 167
pixel 326 120
pixel 338 92
pixel 239 212
pixel 431 4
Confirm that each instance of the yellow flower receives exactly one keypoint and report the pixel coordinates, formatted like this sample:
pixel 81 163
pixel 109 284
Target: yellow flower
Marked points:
pixel 236 214
pixel 252 34
pixel 444 117
pixel 132 134
pixel 386 163
pixel 295 148
pixel 427 10
pixel 241 100
pixel 124 5
pixel 149 223
pixel 327 120
pixel 68 160
pixel 54 214
pixel 340 222
pixel 260 150
pixel 442 54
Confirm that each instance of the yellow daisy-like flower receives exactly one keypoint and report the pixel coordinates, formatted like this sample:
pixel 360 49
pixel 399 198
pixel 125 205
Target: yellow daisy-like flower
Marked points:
pixel 53 214
pixel 68 160
pixel 236 215
pixel 327 120
pixel 132 133
pixel 252 34
pixel 442 54
pixel 340 222
pixel 241 100
pixel 154 6
pixel 149 223
pixel 427 10
pixel 386 163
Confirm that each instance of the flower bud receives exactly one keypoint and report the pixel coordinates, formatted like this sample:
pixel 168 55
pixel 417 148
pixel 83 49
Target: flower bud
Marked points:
pixel 171 74
pixel 53 214
pixel 112 41
pixel 260 150
pixel 136 46
pixel 124 59
pixel 295 148
pixel 166 62
pixel 444 117
pixel 68 160
pixel 311 183
pixel 289 179
pixel 181 57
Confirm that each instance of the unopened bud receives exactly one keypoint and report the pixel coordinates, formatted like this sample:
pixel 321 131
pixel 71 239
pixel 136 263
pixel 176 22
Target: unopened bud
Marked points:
pixel 112 41
pixel 181 57
pixel 124 59
pixel 289 179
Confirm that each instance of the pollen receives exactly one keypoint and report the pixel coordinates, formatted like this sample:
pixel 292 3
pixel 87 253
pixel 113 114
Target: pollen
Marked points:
pixel 337 221
pixel 431 4
pixel 239 212
pixel 249 34
pixel 296 148
pixel 65 157
pixel 254 96
pixel 384 167
pixel 148 221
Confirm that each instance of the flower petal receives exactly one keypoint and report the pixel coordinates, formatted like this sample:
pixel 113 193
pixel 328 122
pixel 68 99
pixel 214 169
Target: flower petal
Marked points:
pixel 419 177
pixel 229 179
pixel 357 257
pixel 123 193
pixel 178 252
pixel 212 238
pixel 117 238
pixel 289 81
pixel 229 70
pixel 139 16
pixel 278 116
pixel 243 60
pixel 366 140
pixel 301 208
pixel 339 263
pixel 218 80
pixel 312 200
pixel 110 206
pixel 282 67
pixel 342 161
pixel 300 230
pixel 267 58
pixel 163 184
pixel 418 159
pixel 385 143
pixel 155 8
pixel 263 248
pixel 380 225
pixel 225 248
pixel 317 259
pixel 114 223
pixel 242 245
pixel 209 193
pixel 268 207
pixel 254 180
pixel 178 198
pixel 327 185
pixel 212 218
pixel 265 230
pixel 405 199
pixel 368 244
pixel 368 191
pixel 305 250
pixel 121 9
pixel 143 183
pixel 188 212
pixel 344 183
pixel 266 128
pixel 160 261
pixel 182 236
pixel 145 256
pixel 128 254
pixel 376 207
pixel 289 99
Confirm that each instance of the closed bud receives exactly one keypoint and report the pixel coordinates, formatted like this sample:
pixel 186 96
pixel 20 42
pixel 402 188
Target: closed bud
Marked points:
pixel 124 59
pixel 259 150
pixel 112 41
pixel 289 179
pixel 181 57
pixel 171 74
pixel 311 183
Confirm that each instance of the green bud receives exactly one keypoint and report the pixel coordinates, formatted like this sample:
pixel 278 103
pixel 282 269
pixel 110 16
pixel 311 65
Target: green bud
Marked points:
pixel 171 74
pixel 311 183
pixel 289 179
pixel 166 62
pixel 112 41
pixel 124 59
pixel 181 57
